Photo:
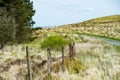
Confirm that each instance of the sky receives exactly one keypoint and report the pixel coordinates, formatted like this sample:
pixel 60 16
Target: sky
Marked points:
pixel 60 12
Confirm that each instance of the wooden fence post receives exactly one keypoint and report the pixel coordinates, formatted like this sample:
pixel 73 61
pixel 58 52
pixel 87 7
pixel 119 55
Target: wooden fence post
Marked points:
pixel 73 50
pixel 49 61
pixel 2 46
pixel 63 68
pixel 28 64
pixel 70 52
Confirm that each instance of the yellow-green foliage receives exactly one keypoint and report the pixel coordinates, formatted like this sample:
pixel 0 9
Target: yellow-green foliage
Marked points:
pixel 54 42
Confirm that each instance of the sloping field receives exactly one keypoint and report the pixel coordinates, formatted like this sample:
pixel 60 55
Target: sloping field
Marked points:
pixel 108 26
pixel 95 60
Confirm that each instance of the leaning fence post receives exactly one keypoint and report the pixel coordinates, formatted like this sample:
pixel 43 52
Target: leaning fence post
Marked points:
pixel 49 62
pixel 28 64
pixel 63 68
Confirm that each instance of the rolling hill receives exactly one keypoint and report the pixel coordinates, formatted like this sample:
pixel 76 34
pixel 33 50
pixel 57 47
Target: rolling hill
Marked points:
pixel 96 58
pixel 108 26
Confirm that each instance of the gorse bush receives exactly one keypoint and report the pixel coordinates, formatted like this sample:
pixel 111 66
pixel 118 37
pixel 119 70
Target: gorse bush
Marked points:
pixel 54 42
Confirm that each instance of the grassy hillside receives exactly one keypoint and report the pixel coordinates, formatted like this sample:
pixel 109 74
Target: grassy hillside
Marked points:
pixel 108 26
pixel 95 59
pixel 101 20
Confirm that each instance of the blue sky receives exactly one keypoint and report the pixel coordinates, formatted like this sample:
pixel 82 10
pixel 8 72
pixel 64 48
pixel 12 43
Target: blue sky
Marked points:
pixel 60 12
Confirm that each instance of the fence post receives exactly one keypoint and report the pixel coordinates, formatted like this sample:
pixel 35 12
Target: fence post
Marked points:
pixel 28 64
pixel 49 61
pixel 70 52
pixel 63 68
pixel 73 50
pixel 2 46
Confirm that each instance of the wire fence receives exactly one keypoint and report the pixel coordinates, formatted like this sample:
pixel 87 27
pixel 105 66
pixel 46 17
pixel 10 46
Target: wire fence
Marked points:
pixel 32 66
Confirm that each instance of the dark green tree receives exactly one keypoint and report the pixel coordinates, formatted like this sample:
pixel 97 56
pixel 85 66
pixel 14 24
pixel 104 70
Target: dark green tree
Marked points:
pixel 7 27
pixel 23 11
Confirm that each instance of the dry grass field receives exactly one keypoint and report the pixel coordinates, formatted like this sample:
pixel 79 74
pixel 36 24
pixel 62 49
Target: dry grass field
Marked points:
pixel 95 59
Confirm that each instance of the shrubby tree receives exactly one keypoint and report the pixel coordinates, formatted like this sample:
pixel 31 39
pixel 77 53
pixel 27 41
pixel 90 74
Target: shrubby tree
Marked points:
pixel 7 27
pixel 54 42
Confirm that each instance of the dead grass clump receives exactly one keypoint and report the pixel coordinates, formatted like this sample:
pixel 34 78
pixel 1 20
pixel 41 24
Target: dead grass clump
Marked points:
pixel 118 75
pixel 18 62
pixel 73 66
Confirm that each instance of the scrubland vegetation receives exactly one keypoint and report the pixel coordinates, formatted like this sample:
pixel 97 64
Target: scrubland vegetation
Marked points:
pixel 106 26
pixel 95 59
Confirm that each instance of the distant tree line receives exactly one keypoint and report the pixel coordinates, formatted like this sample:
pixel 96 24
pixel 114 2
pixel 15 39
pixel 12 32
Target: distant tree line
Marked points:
pixel 15 20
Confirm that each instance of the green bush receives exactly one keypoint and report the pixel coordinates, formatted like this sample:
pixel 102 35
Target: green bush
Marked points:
pixel 54 42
